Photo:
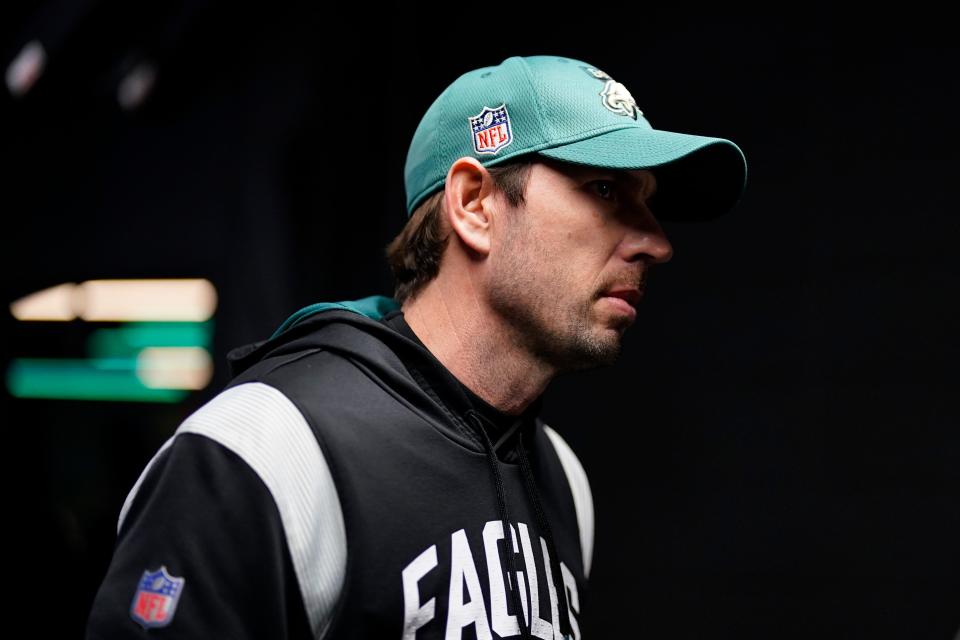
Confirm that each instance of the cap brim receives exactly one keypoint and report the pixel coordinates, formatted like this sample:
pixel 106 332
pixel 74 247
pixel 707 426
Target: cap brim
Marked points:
pixel 698 177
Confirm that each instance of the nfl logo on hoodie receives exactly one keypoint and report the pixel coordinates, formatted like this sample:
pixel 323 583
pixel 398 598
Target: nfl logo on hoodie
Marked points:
pixel 156 598
pixel 491 129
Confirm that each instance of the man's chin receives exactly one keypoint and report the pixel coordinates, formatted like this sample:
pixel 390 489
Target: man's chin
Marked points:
pixel 611 353
pixel 601 349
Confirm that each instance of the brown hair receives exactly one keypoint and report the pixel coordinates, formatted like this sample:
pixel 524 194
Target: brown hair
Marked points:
pixel 414 255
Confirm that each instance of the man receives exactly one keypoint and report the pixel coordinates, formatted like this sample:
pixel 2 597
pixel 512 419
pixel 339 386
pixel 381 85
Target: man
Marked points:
pixel 378 467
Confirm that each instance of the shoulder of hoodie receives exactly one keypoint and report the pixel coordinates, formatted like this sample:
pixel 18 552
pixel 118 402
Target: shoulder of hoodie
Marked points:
pixel 260 429
pixel 257 418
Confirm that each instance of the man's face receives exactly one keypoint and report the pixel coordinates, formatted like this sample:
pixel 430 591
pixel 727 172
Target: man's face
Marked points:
pixel 567 264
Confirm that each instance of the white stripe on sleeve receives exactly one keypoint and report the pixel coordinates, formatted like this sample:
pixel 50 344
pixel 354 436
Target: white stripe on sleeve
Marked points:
pixel 582 496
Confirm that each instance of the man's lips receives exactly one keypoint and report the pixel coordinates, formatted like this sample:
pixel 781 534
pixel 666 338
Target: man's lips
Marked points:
pixel 625 293
pixel 625 299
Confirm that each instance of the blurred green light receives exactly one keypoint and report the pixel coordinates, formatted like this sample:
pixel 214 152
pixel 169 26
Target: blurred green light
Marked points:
pixel 75 379
pixel 129 339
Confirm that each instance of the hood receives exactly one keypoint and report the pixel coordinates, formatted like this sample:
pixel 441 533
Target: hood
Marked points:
pixel 364 313
pixel 361 330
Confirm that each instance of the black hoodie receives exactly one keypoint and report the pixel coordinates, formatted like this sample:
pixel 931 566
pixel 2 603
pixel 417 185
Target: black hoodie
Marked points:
pixel 346 484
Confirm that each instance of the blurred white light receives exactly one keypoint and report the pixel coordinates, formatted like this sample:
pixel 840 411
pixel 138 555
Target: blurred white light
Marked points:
pixel 174 367
pixel 174 300
pixel 158 300
pixel 136 86
pixel 54 303
pixel 26 68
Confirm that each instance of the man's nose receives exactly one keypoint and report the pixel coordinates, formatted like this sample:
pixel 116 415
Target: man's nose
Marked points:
pixel 646 239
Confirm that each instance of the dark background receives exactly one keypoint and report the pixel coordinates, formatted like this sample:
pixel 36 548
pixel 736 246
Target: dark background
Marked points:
pixel 775 455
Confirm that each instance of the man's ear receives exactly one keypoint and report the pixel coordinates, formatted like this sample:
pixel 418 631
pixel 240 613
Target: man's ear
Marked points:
pixel 469 201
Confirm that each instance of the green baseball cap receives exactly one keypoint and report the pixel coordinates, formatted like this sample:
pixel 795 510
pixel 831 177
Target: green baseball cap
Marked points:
pixel 571 111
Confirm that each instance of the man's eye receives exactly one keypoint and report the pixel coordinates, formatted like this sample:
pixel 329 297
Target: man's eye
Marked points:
pixel 606 189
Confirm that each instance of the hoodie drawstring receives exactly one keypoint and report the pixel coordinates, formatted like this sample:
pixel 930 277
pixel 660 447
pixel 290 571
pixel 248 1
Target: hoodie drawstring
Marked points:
pixel 505 518
pixel 534 494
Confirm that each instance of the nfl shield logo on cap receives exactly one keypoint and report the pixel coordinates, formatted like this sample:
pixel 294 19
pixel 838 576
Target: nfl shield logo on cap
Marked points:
pixel 491 129
pixel 156 598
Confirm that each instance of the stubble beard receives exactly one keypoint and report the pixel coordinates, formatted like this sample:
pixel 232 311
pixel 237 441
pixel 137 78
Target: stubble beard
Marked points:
pixel 543 321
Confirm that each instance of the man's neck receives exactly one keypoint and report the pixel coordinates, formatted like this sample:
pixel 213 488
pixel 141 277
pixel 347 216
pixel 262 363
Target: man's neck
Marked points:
pixel 473 343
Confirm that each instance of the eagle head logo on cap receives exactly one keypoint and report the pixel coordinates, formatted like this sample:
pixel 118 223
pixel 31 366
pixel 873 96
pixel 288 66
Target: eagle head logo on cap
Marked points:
pixel 615 96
